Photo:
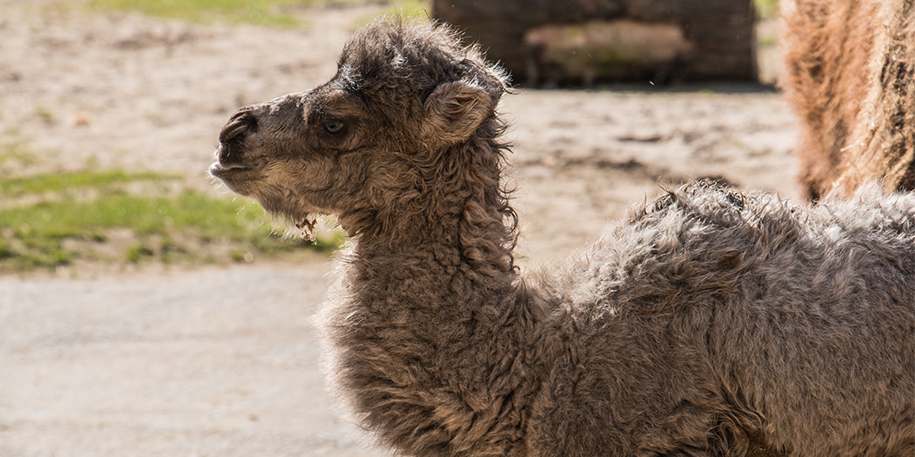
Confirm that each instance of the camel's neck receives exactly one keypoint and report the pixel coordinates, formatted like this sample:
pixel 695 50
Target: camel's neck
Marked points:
pixel 439 276
pixel 431 291
pixel 437 287
pixel 430 334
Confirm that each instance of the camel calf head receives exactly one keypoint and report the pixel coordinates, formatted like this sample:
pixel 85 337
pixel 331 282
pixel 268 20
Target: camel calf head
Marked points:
pixel 404 95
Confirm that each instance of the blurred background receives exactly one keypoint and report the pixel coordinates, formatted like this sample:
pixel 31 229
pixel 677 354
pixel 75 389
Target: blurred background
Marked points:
pixel 108 107
pixel 146 310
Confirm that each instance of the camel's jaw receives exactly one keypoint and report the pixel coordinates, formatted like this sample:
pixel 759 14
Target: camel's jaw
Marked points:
pixel 295 197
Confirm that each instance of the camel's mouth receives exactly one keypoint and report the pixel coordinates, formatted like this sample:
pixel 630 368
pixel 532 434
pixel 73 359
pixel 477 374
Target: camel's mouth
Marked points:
pixel 230 171
pixel 236 176
pixel 231 165
pixel 220 170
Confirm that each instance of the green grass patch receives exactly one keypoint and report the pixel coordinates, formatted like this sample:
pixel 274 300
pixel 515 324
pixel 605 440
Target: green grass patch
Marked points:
pixel 190 225
pixel 65 182
pixel 262 12
pixel 277 13
pixel 143 215
pixel 407 8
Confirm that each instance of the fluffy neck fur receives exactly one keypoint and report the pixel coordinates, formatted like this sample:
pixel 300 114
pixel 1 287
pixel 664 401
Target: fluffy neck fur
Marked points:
pixel 430 321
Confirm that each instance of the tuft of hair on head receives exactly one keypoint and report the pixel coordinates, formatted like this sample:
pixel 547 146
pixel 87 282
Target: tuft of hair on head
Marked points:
pixel 423 64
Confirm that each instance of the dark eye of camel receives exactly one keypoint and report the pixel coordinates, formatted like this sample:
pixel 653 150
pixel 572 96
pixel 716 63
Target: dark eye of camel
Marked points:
pixel 334 126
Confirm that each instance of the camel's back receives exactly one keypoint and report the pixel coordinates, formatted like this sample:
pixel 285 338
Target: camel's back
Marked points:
pixel 706 243
pixel 802 319
pixel 826 339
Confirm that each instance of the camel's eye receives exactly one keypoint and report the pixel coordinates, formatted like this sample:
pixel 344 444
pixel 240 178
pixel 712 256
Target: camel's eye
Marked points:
pixel 334 126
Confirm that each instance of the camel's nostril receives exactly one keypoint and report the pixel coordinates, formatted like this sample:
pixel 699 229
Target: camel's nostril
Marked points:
pixel 242 123
pixel 223 155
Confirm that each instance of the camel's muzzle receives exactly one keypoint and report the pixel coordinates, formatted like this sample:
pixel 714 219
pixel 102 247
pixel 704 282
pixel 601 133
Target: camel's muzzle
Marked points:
pixel 230 155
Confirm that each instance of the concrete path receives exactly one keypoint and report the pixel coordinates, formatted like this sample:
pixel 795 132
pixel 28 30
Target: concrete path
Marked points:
pixel 214 362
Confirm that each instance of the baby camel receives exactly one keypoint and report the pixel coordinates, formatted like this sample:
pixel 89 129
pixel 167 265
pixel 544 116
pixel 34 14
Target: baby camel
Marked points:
pixel 708 317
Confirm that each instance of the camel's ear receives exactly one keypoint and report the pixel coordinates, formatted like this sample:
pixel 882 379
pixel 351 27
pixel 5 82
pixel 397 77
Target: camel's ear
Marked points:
pixel 455 110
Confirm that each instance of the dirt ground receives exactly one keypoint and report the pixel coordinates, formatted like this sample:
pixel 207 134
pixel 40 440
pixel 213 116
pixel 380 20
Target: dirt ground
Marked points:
pixel 221 361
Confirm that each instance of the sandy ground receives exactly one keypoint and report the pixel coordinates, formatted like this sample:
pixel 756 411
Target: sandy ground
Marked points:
pixel 222 361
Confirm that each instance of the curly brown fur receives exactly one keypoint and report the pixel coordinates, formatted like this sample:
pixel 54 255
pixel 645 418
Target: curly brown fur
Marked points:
pixel 850 74
pixel 709 322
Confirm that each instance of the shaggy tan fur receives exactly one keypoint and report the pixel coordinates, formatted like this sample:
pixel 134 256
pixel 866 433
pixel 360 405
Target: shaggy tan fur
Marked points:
pixel 707 323
pixel 850 75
